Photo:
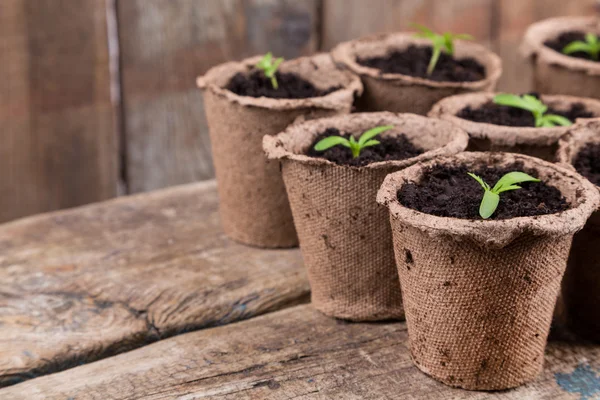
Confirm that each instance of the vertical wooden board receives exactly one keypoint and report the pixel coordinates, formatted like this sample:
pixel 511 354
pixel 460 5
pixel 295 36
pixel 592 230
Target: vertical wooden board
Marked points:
pixel 56 115
pixel 164 46
pixel 513 17
pixel 349 19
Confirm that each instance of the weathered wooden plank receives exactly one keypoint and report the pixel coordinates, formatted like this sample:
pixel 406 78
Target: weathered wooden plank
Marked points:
pixel 348 19
pixel 512 19
pixel 165 45
pixel 58 139
pixel 294 353
pixel 87 283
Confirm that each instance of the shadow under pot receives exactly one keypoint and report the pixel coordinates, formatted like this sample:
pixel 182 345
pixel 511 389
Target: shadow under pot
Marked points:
pixel 554 72
pixel 479 294
pixel 345 237
pixel 579 305
pixel 494 127
pixel 241 107
pixel 393 70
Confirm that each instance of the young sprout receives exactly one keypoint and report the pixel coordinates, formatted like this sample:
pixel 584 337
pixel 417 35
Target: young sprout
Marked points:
pixel 491 197
pixel 269 67
pixel 365 140
pixel 533 105
pixel 591 46
pixel 441 42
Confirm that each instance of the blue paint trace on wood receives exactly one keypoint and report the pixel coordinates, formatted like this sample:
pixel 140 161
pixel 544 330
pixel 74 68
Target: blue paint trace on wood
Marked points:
pixel 584 380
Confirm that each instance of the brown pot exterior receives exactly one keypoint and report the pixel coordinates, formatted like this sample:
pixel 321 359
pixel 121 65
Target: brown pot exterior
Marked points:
pixel 536 142
pixel 556 73
pixel 403 93
pixel 344 234
pixel 479 295
pixel 580 297
pixel 252 200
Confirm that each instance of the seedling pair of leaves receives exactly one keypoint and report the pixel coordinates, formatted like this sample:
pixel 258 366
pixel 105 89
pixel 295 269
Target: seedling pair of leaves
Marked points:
pixel 591 46
pixel 439 43
pixel 535 106
pixel 491 196
pixel 356 146
pixel 269 67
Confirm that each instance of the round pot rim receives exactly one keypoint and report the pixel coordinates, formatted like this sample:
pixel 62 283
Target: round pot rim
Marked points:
pixel 336 100
pixel 275 149
pixel 492 233
pixel 533 45
pixel 502 134
pixel 345 53
pixel 574 136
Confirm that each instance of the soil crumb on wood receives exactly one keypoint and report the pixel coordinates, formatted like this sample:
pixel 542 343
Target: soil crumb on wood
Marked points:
pixel 414 62
pixel 290 86
pixel 496 114
pixel 566 38
pixel 447 191
pixel 587 162
pixel 389 148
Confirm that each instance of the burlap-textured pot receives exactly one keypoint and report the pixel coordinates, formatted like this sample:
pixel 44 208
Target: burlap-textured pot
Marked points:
pixel 580 300
pixel 537 142
pixel 479 295
pixel 344 235
pixel 252 201
pixel 557 73
pixel 403 93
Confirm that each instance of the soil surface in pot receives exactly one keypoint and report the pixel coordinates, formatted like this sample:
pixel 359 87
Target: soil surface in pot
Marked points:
pixel 587 162
pixel 414 61
pixel 290 86
pixel 447 191
pixel 566 38
pixel 389 148
pixel 496 114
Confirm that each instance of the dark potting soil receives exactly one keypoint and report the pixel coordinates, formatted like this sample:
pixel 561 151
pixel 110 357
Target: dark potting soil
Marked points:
pixel 447 191
pixel 290 86
pixel 496 114
pixel 564 39
pixel 587 162
pixel 414 61
pixel 389 148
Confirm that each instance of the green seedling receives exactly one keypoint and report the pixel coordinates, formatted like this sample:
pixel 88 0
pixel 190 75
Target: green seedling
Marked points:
pixel 535 106
pixel 491 197
pixel 269 67
pixel 591 46
pixel 365 140
pixel 439 43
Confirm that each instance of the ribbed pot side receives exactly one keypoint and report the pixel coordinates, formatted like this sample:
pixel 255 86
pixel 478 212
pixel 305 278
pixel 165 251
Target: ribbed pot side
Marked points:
pixel 479 295
pixel 557 73
pixel 404 93
pixel 345 236
pixel 252 201
pixel 580 299
pixel 536 142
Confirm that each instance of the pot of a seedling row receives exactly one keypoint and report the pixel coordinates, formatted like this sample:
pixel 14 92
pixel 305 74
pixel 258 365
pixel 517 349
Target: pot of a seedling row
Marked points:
pixel 407 72
pixel 579 306
pixel 480 266
pixel 529 124
pixel 243 102
pixel 332 170
pixel 565 55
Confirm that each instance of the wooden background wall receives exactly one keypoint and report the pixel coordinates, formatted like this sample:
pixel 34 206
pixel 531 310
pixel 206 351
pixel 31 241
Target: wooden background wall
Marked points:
pixel 97 97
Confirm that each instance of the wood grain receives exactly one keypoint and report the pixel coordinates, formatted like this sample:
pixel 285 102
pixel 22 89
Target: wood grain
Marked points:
pixel 165 45
pixel 79 285
pixel 294 353
pixel 56 114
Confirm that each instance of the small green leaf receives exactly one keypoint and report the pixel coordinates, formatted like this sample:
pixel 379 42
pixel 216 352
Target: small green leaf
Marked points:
pixel 511 179
pixel 575 47
pixel 591 39
pixel 331 141
pixel 557 120
pixel 484 185
pixel 489 204
pixel 425 31
pixel 372 142
pixel 371 133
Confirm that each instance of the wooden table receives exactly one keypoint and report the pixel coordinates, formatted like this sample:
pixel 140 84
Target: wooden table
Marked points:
pixel 80 289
